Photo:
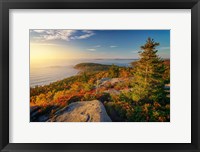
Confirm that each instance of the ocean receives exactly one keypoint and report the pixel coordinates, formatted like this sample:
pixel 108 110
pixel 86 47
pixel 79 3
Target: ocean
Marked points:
pixel 58 70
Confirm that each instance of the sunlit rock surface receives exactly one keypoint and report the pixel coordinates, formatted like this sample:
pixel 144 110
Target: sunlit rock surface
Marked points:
pixel 84 111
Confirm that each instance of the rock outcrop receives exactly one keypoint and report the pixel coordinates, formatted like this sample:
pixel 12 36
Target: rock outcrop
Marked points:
pixel 83 111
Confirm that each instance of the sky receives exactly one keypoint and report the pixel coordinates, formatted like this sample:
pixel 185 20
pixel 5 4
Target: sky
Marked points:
pixel 94 44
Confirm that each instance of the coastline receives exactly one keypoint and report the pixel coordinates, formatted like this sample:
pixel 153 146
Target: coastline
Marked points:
pixel 66 71
pixel 78 70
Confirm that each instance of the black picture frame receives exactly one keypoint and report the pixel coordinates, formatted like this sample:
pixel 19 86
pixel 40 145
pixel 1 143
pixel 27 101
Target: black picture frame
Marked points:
pixel 5 5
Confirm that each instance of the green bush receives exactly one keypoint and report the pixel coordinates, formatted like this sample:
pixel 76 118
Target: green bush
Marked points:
pixel 118 111
pixel 126 97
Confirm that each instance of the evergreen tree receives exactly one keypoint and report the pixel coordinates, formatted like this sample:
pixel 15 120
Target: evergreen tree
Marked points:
pixel 85 77
pixel 148 83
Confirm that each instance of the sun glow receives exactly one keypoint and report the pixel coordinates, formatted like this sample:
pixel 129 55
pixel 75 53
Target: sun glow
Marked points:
pixel 41 53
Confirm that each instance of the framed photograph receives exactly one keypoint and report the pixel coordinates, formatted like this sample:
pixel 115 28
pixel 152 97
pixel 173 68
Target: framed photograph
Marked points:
pixel 99 75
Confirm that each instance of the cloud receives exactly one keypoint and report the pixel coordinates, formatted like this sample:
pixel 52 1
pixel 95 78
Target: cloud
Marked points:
pixel 58 34
pixel 113 46
pixel 165 48
pixel 45 35
pixel 92 50
pixel 66 35
pixel 85 34
pixel 38 31
pixel 47 44
pixel 135 51
pixel 97 46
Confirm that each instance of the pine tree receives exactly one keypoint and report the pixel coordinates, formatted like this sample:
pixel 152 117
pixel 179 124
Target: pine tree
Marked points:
pixel 85 77
pixel 148 83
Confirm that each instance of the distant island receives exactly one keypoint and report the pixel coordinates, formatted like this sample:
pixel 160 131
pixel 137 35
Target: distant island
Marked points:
pixel 88 67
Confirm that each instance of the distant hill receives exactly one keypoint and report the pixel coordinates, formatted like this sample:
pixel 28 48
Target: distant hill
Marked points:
pixel 91 67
